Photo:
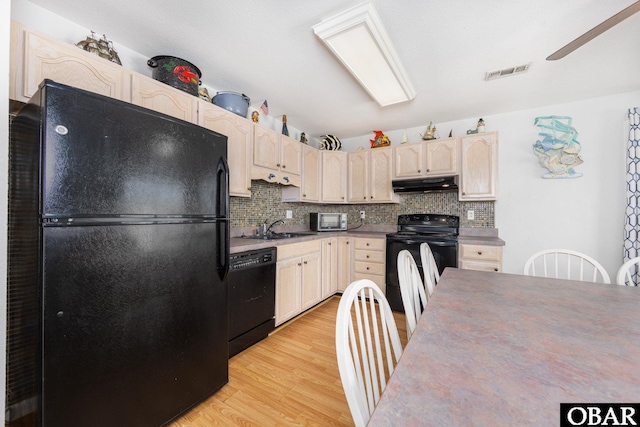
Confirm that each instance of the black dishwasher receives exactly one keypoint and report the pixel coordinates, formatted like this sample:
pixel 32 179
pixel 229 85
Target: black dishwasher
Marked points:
pixel 252 297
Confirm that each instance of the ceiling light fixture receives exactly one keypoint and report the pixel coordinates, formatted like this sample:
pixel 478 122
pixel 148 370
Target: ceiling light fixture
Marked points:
pixel 360 41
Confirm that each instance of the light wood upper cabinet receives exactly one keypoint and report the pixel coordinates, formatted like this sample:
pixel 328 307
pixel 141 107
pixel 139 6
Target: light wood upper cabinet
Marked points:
pixel 35 57
pixel 428 158
pixel 239 132
pixel 358 172
pixel 370 174
pixel 380 176
pixel 441 157
pixel 162 98
pixel 409 160
pixel 310 174
pixel 276 157
pixel 334 177
pixel 479 175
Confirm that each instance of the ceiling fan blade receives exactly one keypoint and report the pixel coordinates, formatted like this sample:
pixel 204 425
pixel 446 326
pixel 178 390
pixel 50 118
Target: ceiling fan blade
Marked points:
pixel 595 31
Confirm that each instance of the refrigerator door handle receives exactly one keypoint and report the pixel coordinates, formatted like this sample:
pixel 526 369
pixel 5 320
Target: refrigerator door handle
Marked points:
pixel 222 174
pixel 223 248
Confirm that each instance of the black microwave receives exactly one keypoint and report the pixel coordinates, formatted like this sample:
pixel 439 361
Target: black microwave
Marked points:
pixel 327 221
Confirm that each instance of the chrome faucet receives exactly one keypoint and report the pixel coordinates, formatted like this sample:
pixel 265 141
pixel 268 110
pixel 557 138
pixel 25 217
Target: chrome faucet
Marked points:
pixel 267 230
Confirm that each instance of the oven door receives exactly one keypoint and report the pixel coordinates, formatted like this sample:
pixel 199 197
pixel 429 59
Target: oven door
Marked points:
pixel 445 252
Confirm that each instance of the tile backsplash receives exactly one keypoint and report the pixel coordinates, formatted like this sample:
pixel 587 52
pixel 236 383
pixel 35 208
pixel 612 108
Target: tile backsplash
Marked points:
pixel 266 204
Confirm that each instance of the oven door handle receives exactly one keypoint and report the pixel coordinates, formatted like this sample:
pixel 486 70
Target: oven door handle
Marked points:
pixel 431 242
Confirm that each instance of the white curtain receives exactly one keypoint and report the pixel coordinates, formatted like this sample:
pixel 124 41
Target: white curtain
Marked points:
pixel 632 225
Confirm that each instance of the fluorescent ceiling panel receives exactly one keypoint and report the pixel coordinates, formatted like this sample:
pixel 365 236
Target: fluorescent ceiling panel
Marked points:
pixel 359 40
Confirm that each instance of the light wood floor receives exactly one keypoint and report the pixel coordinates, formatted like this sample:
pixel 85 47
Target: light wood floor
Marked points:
pixel 289 379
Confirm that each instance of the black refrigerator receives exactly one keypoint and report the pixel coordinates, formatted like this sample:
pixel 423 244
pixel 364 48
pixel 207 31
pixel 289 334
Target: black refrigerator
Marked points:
pixel 118 257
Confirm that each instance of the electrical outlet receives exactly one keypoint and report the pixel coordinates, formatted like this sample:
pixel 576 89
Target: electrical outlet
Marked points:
pixel 289 214
pixel 471 215
pixel 362 215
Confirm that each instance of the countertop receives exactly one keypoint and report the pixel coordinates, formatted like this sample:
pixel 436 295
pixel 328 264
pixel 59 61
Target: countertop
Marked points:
pixel 502 349
pixel 238 244
pixel 471 236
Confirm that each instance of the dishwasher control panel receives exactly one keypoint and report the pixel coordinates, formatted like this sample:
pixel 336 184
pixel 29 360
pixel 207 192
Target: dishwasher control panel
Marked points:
pixel 250 259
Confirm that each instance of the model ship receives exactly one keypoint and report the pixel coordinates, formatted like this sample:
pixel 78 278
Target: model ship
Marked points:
pixel 101 47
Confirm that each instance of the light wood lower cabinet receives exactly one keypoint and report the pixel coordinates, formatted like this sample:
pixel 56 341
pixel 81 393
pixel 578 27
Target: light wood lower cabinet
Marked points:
pixel 298 279
pixel 480 257
pixel 369 260
pixel 345 262
pixel 329 266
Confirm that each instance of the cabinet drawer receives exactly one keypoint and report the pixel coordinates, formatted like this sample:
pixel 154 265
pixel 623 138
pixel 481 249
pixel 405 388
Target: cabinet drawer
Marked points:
pixel 368 267
pixel 480 265
pixel 481 252
pixel 371 244
pixel 369 256
pixel 298 249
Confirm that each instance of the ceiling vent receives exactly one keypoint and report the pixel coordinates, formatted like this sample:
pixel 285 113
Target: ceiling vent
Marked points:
pixel 492 75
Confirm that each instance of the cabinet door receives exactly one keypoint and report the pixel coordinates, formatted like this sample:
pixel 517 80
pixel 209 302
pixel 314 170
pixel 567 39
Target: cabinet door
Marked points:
pixel 287 289
pixel 310 174
pixel 380 175
pixel 442 157
pixel 239 132
pixel 290 155
pixel 266 148
pixel 311 281
pixel 160 97
pixel 334 176
pixel 329 266
pixel 45 58
pixel 479 174
pixel 409 160
pixel 345 256
pixel 358 170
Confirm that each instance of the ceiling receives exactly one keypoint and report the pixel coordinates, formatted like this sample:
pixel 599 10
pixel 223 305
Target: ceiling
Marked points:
pixel 267 50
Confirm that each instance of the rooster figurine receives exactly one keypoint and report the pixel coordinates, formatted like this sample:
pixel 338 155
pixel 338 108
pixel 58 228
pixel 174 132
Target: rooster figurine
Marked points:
pixel 379 139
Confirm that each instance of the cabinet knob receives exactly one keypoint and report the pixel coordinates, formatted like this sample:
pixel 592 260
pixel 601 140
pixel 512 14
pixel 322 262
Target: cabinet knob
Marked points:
pixel 367 268
pixel 495 269
pixel 329 243
pixel 419 171
pixel 367 256
pixel 365 197
pixel 305 262
pixel 347 243
pixel 284 166
pixel 428 170
pixel 367 244
pixel 342 197
pixel 278 164
pixel 463 193
pixel 479 252
pixel 299 263
pixel 304 195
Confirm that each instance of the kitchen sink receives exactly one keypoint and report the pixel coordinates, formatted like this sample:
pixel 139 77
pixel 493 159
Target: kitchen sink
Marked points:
pixel 278 236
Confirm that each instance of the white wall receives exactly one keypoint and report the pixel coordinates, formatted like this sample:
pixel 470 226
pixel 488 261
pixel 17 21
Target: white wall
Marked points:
pixel 585 214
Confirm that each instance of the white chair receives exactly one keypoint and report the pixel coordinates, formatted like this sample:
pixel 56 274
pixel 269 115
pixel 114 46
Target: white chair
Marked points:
pixel 414 297
pixel 367 347
pixel 429 268
pixel 629 273
pixel 565 264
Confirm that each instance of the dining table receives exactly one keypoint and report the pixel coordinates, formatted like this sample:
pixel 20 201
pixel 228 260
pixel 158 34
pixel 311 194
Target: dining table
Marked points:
pixel 497 349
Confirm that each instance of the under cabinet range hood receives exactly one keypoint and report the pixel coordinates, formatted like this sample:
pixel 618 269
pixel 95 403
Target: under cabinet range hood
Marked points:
pixel 426 185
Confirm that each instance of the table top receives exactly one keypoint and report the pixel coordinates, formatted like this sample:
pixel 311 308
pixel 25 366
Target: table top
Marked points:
pixel 503 349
